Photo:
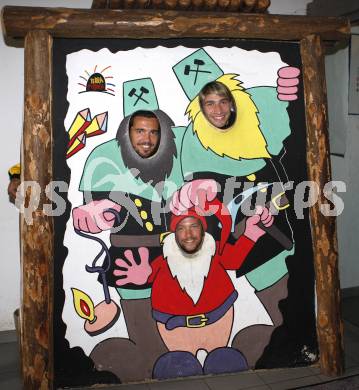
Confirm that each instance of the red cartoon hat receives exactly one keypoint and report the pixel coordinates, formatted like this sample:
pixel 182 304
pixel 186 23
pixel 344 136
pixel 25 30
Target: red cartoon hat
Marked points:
pixel 220 211
pixel 176 219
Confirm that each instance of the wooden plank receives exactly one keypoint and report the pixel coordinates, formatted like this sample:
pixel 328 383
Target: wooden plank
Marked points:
pixel 263 5
pixel 37 237
pixel 116 4
pixel 325 246
pixel 82 23
pixel 235 5
pixel 249 5
pixel 98 4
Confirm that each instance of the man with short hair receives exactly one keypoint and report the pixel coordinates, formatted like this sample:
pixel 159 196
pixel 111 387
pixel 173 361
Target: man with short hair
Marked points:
pixel 123 187
pixel 189 234
pixel 241 152
pixel 145 133
pixel 192 293
pixel 217 104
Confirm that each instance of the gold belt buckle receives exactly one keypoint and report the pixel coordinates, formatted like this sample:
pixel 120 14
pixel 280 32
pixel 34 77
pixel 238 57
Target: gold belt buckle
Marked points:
pixel 163 236
pixel 203 320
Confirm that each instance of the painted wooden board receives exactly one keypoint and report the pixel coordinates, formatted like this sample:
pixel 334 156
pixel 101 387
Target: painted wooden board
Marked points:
pixel 98 86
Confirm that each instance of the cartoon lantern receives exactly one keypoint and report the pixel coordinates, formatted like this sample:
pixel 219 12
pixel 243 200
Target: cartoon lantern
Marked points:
pixel 98 318
pixel 103 316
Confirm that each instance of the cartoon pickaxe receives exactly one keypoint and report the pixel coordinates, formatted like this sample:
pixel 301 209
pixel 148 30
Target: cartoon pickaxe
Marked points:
pixel 236 203
pixel 187 69
pixel 139 97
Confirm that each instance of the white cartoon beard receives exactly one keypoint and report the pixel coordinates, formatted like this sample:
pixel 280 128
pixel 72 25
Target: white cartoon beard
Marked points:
pixel 189 269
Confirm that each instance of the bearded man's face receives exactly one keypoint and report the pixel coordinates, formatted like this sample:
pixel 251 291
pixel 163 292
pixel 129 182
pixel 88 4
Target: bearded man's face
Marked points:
pixel 189 234
pixel 145 136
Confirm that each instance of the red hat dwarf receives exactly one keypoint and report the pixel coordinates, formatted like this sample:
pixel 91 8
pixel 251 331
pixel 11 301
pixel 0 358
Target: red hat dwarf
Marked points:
pixel 220 211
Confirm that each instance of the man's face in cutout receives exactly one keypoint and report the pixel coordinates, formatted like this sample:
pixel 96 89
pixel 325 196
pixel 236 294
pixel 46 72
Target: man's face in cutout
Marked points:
pixel 217 109
pixel 189 234
pixel 145 135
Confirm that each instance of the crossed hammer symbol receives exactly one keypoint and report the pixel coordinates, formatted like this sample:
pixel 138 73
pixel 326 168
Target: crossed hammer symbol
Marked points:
pixel 139 97
pixel 187 69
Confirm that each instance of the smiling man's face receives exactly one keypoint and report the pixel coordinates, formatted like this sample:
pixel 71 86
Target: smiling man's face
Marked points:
pixel 217 109
pixel 189 234
pixel 145 136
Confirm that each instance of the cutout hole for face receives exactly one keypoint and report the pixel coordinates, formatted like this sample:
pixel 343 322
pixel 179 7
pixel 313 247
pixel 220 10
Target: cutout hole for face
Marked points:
pixel 218 105
pixel 145 133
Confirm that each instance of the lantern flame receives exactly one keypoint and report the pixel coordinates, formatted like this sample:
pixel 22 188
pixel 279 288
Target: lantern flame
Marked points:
pixel 83 305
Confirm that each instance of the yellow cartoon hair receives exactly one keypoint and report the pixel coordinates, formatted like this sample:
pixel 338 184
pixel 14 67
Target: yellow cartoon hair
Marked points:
pixel 244 138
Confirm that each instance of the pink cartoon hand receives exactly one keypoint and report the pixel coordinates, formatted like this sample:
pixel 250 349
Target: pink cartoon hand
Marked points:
pixel 131 272
pixel 93 218
pixel 252 230
pixel 195 193
pixel 288 79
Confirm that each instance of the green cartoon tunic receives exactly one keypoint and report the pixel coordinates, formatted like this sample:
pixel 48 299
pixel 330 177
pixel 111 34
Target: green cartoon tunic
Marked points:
pixel 143 219
pixel 265 265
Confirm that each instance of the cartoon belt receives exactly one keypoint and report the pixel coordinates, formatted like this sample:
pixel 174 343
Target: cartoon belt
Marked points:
pixel 136 241
pixel 197 320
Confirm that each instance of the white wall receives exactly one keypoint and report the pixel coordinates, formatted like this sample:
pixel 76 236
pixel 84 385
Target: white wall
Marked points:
pixel 11 112
pixel 289 7
pixel 345 127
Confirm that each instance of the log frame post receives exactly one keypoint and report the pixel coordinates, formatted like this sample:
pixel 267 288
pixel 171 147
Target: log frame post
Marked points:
pixel 324 234
pixel 36 228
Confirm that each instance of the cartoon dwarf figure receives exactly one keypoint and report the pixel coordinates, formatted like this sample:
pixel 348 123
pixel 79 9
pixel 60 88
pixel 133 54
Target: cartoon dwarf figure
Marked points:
pixel 236 137
pixel 126 183
pixel 192 293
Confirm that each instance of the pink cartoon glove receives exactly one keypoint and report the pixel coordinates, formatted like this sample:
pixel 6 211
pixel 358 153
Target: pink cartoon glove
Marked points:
pixel 92 217
pixel 252 230
pixel 130 271
pixel 288 79
pixel 195 193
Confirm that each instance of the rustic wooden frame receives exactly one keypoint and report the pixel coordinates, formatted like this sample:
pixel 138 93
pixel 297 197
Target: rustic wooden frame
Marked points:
pixel 209 5
pixel 39 25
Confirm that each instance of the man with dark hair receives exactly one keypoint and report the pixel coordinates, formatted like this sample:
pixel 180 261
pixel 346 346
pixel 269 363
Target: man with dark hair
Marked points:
pixel 145 133
pixel 124 189
pixel 217 104
pixel 241 151
pixel 189 234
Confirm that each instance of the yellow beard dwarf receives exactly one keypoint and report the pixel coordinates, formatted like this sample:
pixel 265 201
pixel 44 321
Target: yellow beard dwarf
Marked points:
pixel 244 139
